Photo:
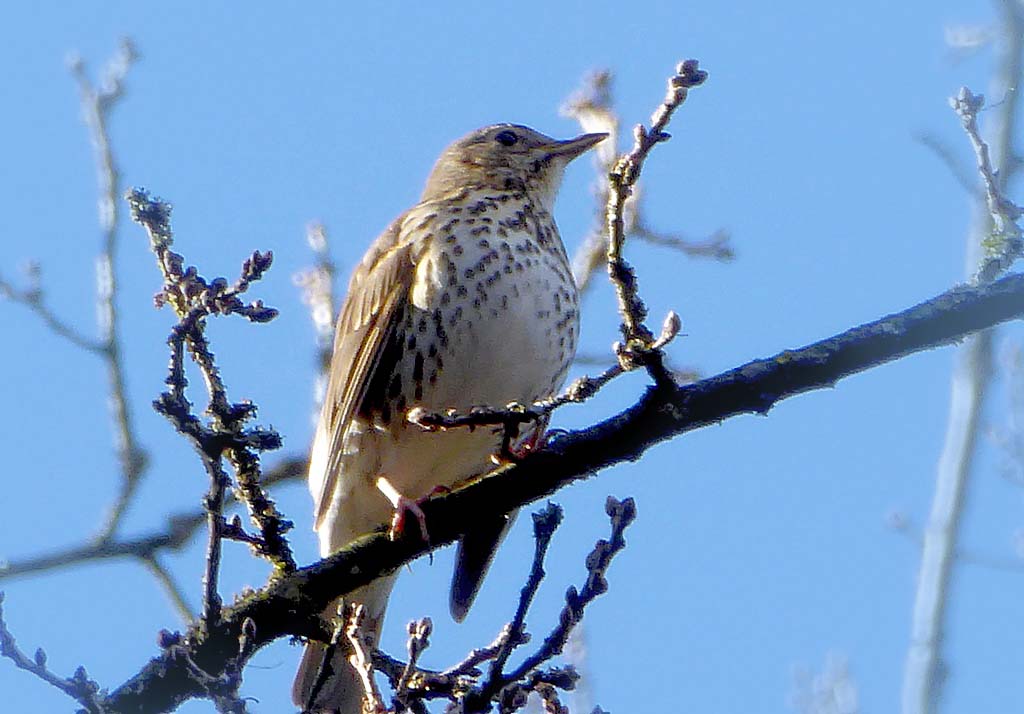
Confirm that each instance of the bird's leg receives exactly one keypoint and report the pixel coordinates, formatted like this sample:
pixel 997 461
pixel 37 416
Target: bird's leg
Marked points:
pixel 403 505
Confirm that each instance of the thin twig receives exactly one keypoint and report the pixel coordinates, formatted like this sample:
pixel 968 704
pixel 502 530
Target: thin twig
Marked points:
pixel 961 173
pixel 621 181
pixel 581 389
pixel 899 523
pixel 591 105
pixel 194 299
pixel 545 523
pixel 717 245
pixel 468 666
pixel 362 662
pixel 1003 245
pixel 419 640
pixel 622 514
pixel 33 298
pixel 508 689
pixel 79 687
pixel 214 503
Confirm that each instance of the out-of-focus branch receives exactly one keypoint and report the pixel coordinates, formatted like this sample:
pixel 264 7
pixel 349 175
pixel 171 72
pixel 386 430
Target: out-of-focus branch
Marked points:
pixel 33 298
pixel 902 524
pixel 988 252
pixel 317 286
pixel 832 691
pixel 97 105
pixel 170 585
pixel 178 531
pixel 964 176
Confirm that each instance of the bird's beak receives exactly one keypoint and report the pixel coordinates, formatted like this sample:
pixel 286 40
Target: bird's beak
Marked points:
pixel 571 148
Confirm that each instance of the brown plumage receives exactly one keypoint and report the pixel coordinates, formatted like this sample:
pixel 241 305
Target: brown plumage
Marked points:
pixel 466 299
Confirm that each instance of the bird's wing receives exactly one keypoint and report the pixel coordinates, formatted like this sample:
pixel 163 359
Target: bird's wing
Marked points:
pixel 377 295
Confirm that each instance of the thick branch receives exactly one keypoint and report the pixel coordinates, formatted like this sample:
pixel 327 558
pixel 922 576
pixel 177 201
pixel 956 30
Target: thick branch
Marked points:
pixel 284 606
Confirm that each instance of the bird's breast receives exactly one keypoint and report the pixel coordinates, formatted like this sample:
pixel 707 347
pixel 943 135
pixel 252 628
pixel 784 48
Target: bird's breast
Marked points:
pixel 493 307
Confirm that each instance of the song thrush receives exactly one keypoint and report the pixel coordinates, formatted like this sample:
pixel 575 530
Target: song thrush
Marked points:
pixel 466 299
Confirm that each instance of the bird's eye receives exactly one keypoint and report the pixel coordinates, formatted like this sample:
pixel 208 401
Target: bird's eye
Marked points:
pixel 506 138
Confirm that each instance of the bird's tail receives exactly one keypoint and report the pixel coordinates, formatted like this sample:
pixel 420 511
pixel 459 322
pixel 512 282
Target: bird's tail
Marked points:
pixel 341 690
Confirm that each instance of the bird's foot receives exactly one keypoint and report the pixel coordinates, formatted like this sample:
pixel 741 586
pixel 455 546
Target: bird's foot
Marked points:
pixel 404 506
pixel 512 454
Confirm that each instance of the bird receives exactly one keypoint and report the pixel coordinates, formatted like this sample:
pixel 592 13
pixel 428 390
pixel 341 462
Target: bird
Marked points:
pixel 466 299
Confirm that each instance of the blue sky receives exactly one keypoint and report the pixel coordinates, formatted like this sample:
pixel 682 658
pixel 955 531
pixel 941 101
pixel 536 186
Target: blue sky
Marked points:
pixel 761 544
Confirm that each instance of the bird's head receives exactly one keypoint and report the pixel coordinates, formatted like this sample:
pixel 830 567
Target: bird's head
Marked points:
pixel 506 157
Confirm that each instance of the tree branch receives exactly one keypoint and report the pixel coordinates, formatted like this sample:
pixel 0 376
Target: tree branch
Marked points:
pixel 97 104
pixel 174 535
pixel 287 605
pixel 988 253
pixel 79 686
pixel 621 181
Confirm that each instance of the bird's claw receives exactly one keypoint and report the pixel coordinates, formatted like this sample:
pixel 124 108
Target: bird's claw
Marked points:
pixel 403 508
pixel 512 454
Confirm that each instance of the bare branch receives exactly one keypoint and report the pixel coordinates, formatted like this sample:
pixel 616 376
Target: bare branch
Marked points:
pixel 510 690
pixel 79 687
pixel 97 105
pixel 622 514
pixel 621 182
pixel 170 585
pixel 716 246
pixel 281 608
pixel 419 640
pixel 545 523
pixel 32 297
pixel 176 534
pixel 194 299
pixel 1003 245
pixel 986 257
pixel 361 661
pixel 591 106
